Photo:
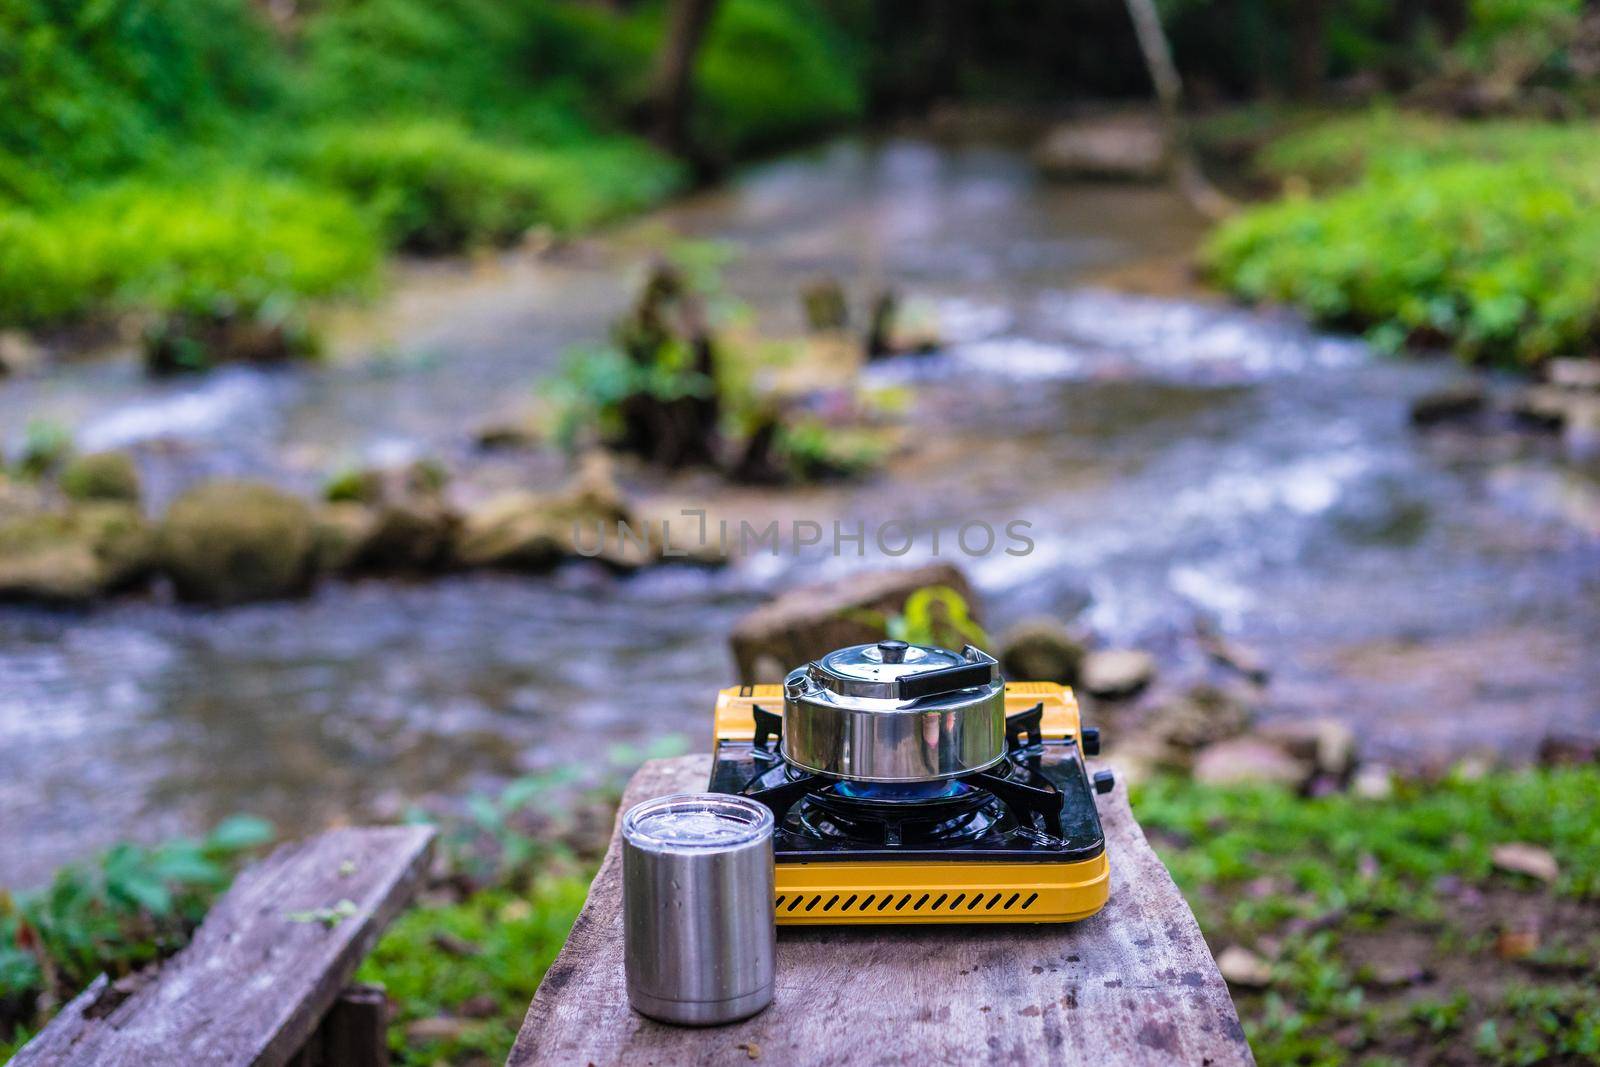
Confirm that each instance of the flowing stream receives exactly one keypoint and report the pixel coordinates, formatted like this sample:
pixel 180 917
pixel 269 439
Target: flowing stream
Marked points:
pixel 1175 457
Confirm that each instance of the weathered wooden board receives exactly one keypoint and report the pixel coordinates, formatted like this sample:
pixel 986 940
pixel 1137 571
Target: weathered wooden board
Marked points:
pixel 1132 985
pixel 253 984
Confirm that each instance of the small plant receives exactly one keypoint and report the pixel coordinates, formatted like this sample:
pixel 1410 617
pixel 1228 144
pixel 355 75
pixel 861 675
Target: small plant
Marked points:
pixel 933 615
pixel 46 445
pixel 135 905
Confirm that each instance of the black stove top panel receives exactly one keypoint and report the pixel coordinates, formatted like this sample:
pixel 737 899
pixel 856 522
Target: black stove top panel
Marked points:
pixel 1035 805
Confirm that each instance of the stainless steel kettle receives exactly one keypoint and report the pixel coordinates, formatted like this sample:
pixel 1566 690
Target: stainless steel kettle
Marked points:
pixel 895 712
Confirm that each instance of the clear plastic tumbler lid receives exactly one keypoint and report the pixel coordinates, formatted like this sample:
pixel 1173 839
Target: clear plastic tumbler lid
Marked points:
pixel 692 822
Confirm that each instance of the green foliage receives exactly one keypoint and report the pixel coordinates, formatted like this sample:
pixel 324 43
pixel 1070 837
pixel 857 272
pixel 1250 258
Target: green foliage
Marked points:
pixel 437 126
pixel 134 905
pixel 500 943
pixel 90 88
pixel 229 244
pixel 773 72
pixel 46 445
pixel 1500 259
pixel 818 451
pixel 438 187
pixel 1322 878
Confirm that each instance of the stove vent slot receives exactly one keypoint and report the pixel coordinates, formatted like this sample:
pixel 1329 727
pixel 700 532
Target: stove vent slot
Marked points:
pixel 907 904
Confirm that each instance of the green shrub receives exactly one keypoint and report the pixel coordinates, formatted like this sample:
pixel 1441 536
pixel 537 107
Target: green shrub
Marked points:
pixel 772 72
pixel 231 244
pixel 1499 259
pixel 92 87
pixel 438 187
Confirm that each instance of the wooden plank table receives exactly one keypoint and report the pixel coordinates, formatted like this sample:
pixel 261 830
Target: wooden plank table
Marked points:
pixel 258 978
pixel 1132 985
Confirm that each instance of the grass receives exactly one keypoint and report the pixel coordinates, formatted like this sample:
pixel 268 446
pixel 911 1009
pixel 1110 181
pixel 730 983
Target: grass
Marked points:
pixel 473 965
pixel 1382 921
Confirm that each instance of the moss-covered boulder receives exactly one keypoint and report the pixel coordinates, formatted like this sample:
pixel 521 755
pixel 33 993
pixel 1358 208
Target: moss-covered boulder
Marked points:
pixel 340 532
pixel 515 531
pixel 231 542
pixel 410 526
pixel 109 476
pixel 74 555
pixel 1042 649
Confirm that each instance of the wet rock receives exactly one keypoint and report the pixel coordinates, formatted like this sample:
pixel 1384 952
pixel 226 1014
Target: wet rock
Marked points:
pixel 1041 649
pixel 505 435
pixel 812 620
pixel 1541 407
pixel 231 542
pixel 1455 403
pixel 409 536
pixel 514 531
pixel 409 528
pixel 1234 655
pixel 339 533
pixel 187 341
pixel 1574 373
pixel 1247 760
pixel 1126 146
pixel 19 355
pixel 1202 716
pixel 522 530
pixel 1569 750
pixel 1241 967
pixel 1520 857
pixel 110 476
pixel 824 305
pixel 76 555
pixel 1115 674
pixel 1324 745
pixel 419 479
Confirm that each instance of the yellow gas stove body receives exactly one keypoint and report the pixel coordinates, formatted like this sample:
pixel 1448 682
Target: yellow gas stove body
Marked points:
pixel 941 890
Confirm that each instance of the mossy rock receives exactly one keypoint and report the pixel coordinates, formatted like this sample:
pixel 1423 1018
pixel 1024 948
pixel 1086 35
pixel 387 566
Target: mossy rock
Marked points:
pixel 341 531
pixel 76 555
pixel 1042 649
pixel 107 476
pixel 232 542
pixel 517 531
pixel 186 341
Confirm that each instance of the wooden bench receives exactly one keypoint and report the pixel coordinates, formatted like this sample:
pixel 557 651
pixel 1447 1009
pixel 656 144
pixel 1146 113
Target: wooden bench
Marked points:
pixel 1132 985
pixel 264 981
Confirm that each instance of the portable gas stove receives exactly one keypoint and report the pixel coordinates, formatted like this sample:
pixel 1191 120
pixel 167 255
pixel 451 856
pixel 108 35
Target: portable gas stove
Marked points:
pixel 1017 841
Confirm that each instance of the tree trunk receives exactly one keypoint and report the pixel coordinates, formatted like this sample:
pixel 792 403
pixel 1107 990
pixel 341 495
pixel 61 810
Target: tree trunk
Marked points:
pixel 1308 61
pixel 1191 182
pixel 673 92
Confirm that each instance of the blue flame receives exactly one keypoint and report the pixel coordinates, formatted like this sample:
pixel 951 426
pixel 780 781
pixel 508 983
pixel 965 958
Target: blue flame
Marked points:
pixel 900 790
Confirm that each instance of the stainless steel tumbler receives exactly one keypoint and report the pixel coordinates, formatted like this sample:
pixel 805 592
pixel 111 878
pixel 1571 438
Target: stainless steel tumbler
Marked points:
pixel 699 929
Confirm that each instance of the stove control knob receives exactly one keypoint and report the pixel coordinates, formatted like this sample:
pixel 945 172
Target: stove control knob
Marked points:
pixel 893 651
pixel 1104 782
pixel 1089 739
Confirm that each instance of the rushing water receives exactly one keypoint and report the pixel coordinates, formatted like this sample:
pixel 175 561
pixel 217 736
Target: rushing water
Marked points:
pixel 1175 459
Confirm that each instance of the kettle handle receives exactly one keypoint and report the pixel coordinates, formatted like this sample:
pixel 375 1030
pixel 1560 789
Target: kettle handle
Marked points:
pixel 949 679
